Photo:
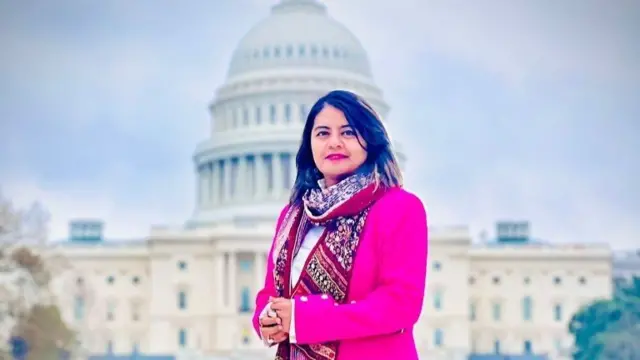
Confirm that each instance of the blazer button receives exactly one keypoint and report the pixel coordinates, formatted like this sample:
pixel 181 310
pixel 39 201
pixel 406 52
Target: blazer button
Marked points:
pixel 353 301
pixel 303 298
pixel 324 297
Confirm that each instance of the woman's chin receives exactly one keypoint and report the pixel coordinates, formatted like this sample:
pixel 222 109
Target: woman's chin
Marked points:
pixel 337 175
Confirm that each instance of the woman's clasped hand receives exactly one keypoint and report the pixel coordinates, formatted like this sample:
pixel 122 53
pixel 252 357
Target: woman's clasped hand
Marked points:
pixel 276 322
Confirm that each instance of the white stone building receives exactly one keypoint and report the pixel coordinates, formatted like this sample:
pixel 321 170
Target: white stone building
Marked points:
pixel 193 287
pixel 626 266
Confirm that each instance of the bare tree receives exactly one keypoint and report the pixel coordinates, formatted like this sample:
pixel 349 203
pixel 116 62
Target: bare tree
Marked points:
pixel 27 309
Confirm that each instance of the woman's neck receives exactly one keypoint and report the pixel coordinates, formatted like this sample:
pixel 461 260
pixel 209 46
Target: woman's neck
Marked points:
pixel 330 181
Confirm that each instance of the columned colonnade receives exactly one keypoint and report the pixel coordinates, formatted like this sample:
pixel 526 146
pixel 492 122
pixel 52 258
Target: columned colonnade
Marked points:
pixel 245 178
pixel 226 282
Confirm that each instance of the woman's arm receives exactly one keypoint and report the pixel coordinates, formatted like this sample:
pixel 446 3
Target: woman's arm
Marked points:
pixel 262 298
pixel 397 301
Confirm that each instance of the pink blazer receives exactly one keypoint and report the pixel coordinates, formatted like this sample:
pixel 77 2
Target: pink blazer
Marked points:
pixel 386 291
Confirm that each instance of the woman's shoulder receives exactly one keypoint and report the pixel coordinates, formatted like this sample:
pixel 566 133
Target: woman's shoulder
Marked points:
pixel 397 211
pixel 396 206
pixel 398 200
pixel 282 214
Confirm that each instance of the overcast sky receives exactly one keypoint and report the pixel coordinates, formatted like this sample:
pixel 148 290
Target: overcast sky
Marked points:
pixel 507 110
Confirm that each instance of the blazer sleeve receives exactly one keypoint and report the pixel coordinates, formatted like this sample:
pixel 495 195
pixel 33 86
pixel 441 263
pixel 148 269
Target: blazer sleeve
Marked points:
pixel 268 290
pixel 394 305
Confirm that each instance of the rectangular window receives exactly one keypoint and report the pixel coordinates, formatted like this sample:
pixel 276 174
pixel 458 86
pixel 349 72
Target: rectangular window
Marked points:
pixel 526 308
pixel 245 265
pixel 111 310
pixel 497 311
pixel 245 300
pixel 438 338
pixel 182 300
pixel 78 308
pixel 557 312
pixel 182 337
pixel 437 300
pixel 472 312
pixel 135 311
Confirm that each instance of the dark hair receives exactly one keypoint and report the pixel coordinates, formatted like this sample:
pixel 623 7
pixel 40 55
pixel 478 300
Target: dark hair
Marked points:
pixel 364 120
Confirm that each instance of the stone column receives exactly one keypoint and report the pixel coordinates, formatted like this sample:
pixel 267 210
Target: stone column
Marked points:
pixel 259 268
pixel 200 185
pixel 210 184
pixel 278 175
pixel 251 178
pixel 292 168
pixel 204 189
pixel 233 281
pixel 219 277
pixel 214 184
pixel 260 176
pixel 226 193
pixel 242 188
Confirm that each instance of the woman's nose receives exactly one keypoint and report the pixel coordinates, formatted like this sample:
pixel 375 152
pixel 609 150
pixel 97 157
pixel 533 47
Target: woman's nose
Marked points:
pixel 335 141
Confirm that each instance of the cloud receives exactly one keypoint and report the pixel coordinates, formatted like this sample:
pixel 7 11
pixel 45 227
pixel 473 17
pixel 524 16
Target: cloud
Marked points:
pixel 513 111
pixel 93 202
pixel 506 110
pixel 561 207
pixel 517 40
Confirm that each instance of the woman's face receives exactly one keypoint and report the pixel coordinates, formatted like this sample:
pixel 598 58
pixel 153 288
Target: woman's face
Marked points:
pixel 336 147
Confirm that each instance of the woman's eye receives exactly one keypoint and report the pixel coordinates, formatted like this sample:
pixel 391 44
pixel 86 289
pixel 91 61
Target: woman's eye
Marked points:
pixel 349 133
pixel 322 133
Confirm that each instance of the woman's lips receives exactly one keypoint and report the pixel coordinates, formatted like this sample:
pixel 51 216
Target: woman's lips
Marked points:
pixel 335 157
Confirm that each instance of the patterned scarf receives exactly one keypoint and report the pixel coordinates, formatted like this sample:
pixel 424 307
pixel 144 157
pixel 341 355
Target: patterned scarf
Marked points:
pixel 342 209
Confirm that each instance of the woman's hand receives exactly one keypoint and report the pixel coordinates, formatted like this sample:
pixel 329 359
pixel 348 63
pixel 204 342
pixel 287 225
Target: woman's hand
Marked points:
pixel 282 307
pixel 272 330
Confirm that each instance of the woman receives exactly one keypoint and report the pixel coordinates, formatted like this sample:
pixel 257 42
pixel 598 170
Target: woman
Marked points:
pixel 346 272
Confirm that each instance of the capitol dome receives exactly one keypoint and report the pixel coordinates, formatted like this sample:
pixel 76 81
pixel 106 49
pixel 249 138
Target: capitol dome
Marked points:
pixel 299 33
pixel 246 166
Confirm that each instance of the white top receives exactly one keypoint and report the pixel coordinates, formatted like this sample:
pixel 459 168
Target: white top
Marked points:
pixel 308 243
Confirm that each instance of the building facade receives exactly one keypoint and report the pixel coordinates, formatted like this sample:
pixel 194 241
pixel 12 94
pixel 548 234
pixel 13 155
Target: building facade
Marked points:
pixel 192 288
pixel 626 266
